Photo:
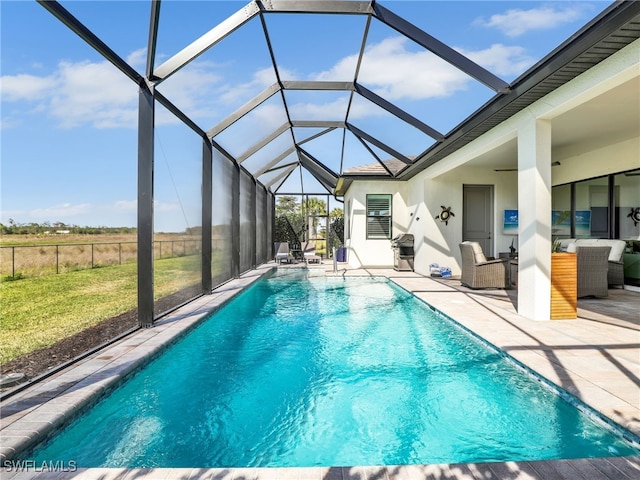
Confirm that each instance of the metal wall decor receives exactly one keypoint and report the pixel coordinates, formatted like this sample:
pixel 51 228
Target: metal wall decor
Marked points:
pixel 635 216
pixel 445 215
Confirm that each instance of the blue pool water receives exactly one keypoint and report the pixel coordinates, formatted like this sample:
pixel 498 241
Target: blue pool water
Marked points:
pixel 328 371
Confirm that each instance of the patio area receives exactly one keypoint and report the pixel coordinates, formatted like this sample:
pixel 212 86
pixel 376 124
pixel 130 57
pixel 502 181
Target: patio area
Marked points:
pixel 595 357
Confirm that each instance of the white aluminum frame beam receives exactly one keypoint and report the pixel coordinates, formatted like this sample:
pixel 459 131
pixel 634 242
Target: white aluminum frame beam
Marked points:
pixel 317 6
pixel 263 96
pixel 276 160
pixel 283 174
pixel 265 141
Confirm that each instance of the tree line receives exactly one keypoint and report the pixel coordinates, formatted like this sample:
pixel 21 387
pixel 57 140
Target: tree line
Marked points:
pixel 34 228
pixel 297 221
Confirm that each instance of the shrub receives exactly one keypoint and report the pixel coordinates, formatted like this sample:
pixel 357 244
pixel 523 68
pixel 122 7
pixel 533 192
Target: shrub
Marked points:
pixel 13 278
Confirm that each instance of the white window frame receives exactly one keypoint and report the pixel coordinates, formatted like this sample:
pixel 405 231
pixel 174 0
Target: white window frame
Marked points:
pixel 376 211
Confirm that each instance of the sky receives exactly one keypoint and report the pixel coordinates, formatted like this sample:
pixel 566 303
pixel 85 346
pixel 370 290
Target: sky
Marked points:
pixel 68 117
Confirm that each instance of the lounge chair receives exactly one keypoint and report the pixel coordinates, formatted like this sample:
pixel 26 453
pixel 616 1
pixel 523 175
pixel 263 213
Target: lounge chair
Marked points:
pixel 309 253
pixel 478 272
pixel 282 252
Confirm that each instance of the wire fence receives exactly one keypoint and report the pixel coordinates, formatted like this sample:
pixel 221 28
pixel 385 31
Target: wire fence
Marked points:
pixel 24 261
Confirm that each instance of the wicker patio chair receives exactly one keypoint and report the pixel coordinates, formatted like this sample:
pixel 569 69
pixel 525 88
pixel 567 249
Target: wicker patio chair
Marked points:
pixel 615 274
pixel 593 265
pixel 478 272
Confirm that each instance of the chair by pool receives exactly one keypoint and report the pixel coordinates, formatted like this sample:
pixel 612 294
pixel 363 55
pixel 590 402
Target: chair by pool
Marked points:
pixel 309 253
pixel 283 253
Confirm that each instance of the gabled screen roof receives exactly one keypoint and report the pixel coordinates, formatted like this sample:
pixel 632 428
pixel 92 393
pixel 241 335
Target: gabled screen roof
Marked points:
pixel 332 88
pixel 323 65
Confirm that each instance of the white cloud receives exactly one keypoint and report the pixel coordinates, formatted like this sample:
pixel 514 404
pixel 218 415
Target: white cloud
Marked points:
pixel 243 92
pixel 94 93
pixel 9 122
pixel 336 110
pixel 25 87
pixel 345 69
pixel 138 59
pixel 61 211
pixel 192 89
pixel 98 94
pixel 516 22
pixel 502 60
pixel 395 72
pixel 165 207
pixel 398 73
pixel 267 118
pixel 126 205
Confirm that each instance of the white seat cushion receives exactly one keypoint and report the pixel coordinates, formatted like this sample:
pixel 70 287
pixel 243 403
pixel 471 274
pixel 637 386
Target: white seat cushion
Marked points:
pixel 617 250
pixel 617 246
pixel 478 254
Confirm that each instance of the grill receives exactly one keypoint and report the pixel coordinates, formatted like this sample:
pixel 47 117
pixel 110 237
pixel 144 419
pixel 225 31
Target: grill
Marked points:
pixel 402 246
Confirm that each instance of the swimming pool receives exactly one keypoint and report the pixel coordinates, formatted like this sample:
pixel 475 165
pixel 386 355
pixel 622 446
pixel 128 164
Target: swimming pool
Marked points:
pixel 328 371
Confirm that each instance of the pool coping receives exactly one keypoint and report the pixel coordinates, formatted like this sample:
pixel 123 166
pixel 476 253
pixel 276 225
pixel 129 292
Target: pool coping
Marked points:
pixel 41 409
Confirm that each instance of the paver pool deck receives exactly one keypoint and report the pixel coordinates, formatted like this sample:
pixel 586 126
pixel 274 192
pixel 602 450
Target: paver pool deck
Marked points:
pixel 595 357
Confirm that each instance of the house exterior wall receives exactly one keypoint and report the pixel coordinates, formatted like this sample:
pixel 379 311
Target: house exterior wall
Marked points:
pixel 437 242
pixel 419 200
pixel 372 253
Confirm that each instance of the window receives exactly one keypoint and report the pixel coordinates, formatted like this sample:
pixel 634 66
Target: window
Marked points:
pixel 600 207
pixel 378 216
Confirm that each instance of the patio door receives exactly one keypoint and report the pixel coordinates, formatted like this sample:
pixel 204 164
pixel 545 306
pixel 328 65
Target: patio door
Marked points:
pixel 477 216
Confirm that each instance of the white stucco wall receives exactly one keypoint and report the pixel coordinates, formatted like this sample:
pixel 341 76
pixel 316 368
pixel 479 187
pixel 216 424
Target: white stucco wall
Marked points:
pixel 595 163
pixel 372 253
pixel 436 242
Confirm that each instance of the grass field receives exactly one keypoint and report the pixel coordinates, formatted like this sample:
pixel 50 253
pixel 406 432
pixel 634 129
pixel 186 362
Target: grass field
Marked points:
pixel 37 312
pixel 27 256
pixel 22 240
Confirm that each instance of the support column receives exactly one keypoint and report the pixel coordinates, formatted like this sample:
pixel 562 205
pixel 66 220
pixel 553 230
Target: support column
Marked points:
pixel 207 220
pixel 235 221
pixel 534 206
pixel 265 234
pixel 254 221
pixel 146 106
pixel 272 217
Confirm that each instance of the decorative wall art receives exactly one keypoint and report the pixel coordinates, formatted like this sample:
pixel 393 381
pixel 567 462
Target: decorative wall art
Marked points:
pixel 510 222
pixel 560 223
pixel 445 215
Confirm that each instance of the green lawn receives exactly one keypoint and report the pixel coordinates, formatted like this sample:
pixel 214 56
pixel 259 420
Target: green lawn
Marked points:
pixel 37 312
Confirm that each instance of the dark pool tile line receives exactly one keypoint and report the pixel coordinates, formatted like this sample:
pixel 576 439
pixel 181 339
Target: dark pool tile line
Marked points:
pixel 85 383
